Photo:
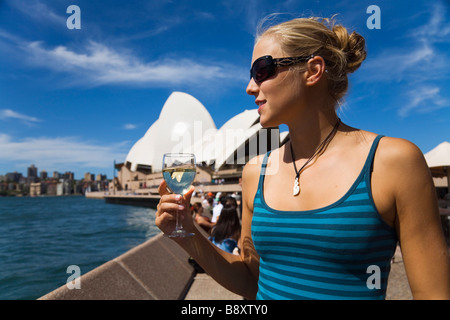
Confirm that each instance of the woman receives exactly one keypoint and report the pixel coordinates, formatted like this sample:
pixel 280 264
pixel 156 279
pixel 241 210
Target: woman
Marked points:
pixel 323 213
pixel 227 231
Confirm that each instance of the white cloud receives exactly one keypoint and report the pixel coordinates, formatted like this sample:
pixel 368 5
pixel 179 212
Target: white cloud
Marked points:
pixel 11 114
pixel 421 70
pixel 398 64
pixel 97 64
pixel 423 100
pixel 59 152
pixel 418 57
pixel 129 126
pixel 38 11
pixel 437 29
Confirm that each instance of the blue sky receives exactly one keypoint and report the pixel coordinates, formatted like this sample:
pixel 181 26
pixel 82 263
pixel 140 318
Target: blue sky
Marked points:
pixel 76 100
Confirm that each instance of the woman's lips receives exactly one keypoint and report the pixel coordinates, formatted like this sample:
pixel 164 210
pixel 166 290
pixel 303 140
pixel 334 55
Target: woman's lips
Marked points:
pixel 260 104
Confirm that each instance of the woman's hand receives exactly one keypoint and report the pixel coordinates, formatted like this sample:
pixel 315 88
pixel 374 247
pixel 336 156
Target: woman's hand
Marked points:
pixel 168 206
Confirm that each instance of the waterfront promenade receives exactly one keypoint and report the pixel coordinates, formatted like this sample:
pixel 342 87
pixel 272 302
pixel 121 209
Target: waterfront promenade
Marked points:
pixel 398 287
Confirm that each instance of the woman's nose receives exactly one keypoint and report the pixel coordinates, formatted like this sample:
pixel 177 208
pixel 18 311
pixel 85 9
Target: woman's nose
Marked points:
pixel 252 87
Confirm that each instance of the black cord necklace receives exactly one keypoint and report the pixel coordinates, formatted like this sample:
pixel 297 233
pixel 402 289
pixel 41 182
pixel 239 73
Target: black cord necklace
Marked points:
pixel 319 149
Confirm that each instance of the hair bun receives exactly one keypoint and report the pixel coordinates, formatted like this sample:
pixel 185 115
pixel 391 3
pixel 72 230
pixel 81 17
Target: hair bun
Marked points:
pixel 353 46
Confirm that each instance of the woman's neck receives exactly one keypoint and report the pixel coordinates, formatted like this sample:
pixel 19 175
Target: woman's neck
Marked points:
pixel 307 133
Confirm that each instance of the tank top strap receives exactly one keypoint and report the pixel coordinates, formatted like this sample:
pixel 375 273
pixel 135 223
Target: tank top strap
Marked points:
pixel 367 169
pixel 368 166
pixel 264 163
pixel 262 173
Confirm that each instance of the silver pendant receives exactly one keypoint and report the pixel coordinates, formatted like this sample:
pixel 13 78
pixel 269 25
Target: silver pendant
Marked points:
pixel 296 189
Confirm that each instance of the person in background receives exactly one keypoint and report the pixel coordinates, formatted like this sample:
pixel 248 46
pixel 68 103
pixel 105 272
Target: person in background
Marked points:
pixel 200 219
pixel 218 208
pixel 230 201
pixel 207 204
pixel 226 233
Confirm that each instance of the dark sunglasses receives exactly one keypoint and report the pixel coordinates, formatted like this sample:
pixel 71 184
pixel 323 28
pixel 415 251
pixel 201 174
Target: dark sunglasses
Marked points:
pixel 263 68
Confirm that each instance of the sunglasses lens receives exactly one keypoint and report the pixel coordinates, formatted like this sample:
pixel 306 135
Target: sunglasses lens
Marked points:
pixel 262 69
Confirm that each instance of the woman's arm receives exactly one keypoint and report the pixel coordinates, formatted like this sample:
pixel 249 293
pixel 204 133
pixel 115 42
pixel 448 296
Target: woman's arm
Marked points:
pixel 238 274
pixel 424 250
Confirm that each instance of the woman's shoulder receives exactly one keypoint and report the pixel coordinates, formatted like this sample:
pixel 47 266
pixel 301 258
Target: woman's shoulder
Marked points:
pixel 392 155
pixel 397 152
pixel 397 156
pixel 251 176
pixel 390 148
pixel 252 168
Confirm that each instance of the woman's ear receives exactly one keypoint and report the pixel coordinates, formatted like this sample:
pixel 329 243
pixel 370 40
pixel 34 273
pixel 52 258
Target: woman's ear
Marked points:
pixel 316 68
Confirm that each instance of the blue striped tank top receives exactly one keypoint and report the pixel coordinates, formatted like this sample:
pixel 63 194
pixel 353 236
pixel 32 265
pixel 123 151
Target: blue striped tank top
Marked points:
pixel 341 251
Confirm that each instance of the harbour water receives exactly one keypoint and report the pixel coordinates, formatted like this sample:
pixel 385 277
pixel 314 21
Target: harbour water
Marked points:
pixel 41 237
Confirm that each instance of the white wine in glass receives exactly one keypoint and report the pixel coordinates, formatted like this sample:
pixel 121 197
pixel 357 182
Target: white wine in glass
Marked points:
pixel 179 172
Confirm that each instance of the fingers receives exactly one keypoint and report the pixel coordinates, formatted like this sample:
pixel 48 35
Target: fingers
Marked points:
pixel 167 210
pixel 188 194
pixel 170 203
pixel 162 189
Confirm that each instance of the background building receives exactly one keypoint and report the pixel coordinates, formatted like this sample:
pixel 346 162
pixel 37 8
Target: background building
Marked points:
pixel 43 175
pixel 32 173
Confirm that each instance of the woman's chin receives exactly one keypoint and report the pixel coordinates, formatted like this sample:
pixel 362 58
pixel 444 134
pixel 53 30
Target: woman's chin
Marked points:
pixel 267 123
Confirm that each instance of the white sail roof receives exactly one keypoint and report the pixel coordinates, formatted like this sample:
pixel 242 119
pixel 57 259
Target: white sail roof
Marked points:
pixel 172 132
pixel 184 125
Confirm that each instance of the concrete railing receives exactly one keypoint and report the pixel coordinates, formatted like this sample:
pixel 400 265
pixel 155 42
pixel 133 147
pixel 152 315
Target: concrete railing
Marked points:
pixel 158 269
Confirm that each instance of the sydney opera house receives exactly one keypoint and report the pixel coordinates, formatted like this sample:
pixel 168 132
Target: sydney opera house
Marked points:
pixel 185 125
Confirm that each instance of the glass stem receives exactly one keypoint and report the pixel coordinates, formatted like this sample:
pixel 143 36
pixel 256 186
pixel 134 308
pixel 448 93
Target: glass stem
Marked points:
pixel 178 225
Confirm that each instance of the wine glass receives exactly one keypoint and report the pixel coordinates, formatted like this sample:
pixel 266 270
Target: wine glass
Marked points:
pixel 179 171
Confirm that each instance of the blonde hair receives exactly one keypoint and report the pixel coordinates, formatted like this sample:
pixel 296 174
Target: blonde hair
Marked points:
pixel 343 52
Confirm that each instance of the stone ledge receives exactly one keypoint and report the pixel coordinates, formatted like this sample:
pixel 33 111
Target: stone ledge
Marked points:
pixel 157 269
pixel 206 288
